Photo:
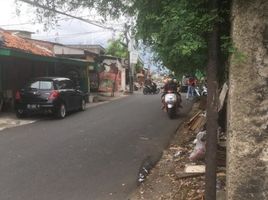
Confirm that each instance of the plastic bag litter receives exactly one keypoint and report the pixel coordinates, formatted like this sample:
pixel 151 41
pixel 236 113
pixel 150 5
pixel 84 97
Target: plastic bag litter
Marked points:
pixel 200 147
pixel 143 174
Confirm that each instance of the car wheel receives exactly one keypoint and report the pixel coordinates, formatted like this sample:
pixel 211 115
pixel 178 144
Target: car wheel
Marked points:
pixel 83 105
pixel 61 112
pixel 20 113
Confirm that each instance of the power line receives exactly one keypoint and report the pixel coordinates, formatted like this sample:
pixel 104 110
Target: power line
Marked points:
pixel 27 23
pixel 66 14
pixel 69 35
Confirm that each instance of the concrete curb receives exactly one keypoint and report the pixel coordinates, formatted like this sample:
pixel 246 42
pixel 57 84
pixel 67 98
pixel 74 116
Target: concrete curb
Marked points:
pixel 9 120
pixel 104 101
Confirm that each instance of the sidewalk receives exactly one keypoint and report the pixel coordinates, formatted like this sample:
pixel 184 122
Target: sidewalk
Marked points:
pixel 9 119
pixel 101 97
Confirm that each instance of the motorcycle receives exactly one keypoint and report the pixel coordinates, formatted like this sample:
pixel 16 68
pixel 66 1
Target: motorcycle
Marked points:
pixel 201 92
pixel 149 89
pixel 204 91
pixel 136 86
pixel 171 103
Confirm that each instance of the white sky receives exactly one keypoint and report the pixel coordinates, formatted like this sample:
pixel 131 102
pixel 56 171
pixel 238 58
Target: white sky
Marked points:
pixel 69 31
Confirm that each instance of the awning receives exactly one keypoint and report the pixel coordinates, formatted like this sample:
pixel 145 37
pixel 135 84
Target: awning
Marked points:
pixel 21 54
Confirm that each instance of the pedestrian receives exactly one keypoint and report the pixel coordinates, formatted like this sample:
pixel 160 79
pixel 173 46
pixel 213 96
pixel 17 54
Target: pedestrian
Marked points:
pixel 191 87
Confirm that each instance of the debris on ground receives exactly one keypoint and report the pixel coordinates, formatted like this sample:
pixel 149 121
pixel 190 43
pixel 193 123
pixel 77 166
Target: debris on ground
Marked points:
pixel 180 174
pixel 145 168
pixel 200 147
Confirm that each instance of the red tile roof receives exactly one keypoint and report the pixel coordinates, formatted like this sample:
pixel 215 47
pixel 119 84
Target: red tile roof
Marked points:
pixel 16 42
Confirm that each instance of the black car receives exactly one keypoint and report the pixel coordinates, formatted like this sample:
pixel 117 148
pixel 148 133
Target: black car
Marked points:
pixel 55 95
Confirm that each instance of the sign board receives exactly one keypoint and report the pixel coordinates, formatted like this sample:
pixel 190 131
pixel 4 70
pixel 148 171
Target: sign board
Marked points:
pixel 134 55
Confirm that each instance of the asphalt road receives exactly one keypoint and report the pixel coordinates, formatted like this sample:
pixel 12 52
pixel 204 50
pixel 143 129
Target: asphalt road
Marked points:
pixel 90 155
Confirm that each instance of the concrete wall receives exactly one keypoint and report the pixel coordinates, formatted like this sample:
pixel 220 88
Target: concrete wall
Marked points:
pixel 247 157
pixel 63 50
pixel 107 77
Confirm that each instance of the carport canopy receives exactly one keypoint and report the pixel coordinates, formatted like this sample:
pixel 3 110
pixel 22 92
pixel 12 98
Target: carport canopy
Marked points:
pixel 21 54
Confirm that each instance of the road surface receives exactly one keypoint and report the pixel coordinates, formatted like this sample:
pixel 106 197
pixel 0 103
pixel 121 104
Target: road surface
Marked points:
pixel 90 155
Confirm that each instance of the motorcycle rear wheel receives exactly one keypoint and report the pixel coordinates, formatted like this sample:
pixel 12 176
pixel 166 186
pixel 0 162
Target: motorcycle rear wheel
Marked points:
pixel 145 92
pixel 171 113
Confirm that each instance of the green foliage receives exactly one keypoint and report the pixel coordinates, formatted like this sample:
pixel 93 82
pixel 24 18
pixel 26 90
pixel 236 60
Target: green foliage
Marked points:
pixel 117 48
pixel 138 67
pixel 176 30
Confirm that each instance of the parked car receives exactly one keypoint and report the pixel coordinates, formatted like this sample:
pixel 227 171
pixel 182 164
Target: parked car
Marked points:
pixel 55 95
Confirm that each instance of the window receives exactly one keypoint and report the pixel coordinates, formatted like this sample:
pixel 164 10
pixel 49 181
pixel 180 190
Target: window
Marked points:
pixel 41 85
pixel 66 84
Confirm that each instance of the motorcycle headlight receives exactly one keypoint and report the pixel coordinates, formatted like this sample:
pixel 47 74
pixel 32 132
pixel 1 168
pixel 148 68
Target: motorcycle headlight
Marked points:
pixel 170 98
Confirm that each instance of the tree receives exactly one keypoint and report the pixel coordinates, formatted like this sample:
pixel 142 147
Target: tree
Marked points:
pixel 117 48
pixel 176 31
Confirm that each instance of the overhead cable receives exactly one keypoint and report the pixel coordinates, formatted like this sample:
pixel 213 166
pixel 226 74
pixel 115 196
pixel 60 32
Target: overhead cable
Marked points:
pixel 66 14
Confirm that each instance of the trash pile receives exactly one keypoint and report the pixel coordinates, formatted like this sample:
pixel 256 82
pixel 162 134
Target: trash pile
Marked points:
pixel 190 167
pixel 180 174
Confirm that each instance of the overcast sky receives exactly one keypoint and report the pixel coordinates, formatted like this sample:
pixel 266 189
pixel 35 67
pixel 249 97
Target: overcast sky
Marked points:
pixel 69 31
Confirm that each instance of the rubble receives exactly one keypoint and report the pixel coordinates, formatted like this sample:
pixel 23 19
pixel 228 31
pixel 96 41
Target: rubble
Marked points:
pixel 180 174
pixel 197 122
pixel 200 147
pixel 195 169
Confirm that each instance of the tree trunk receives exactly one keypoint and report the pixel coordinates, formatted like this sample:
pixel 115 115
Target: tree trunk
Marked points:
pixel 212 105
pixel 247 158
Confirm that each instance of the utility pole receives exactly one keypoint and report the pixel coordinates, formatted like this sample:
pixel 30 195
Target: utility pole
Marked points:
pixel 130 73
pixel 130 64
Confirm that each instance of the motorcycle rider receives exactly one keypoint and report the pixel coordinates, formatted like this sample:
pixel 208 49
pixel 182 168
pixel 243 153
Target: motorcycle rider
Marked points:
pixel 154 86
pixel 171 85
pixel 151 85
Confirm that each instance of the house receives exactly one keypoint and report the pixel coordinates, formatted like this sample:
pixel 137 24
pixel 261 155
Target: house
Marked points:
pixel 108 70
pixel 97 49
pixel 99 80
pixel 74 51
pixel 112 74
pixel 21 33
pixel 21 60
